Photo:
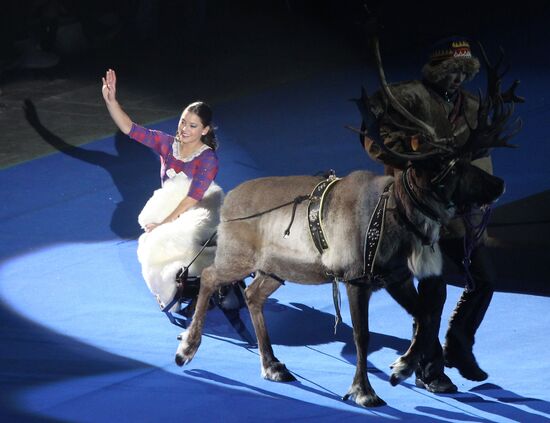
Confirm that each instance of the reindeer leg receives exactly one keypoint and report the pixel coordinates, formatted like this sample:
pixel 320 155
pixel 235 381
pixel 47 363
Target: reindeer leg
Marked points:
pixel 190 340
pixel 256 293
pixel 425 307
pixel 406 295
pixel 361 390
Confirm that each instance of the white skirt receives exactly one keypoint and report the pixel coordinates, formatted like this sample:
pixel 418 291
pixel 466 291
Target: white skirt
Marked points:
pixel 171 246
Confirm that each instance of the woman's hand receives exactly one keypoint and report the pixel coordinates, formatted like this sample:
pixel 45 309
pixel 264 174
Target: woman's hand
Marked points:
pixel 109 86
pixel 121 119
pixel 150 226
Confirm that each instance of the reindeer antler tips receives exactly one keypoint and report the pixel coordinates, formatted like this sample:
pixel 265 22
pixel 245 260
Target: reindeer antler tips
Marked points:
pixel 357 131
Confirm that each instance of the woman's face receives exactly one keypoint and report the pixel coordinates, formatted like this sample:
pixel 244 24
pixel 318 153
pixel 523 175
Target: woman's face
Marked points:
pixel 190 128
pixel 452 81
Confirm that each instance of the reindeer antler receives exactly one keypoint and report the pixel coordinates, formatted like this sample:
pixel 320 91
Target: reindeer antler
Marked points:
pixel 371 122
pixel 494 78
pixel 394 103
pixel 493 127
pixel 371 125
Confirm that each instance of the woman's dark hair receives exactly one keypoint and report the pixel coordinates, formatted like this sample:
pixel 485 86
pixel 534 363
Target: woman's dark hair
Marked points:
pixel 204 112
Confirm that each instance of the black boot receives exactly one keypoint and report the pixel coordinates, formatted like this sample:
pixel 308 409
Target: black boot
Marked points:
pixel 469 312
pixel 459 340
pixel 460 356
pixel 430 372
pixel 441 384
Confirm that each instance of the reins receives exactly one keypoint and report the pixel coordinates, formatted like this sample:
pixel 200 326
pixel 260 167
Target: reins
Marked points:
pixel 422 207
pixel 472 235
pixel 181 279
pixel 299 199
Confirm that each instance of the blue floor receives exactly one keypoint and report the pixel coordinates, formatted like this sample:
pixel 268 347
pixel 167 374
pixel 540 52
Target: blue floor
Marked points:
pixel 84 341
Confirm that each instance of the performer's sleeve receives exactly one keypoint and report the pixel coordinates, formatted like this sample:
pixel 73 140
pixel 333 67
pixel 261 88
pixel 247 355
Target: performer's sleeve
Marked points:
pixel 205 172
pixel 156 140
pixel 395 138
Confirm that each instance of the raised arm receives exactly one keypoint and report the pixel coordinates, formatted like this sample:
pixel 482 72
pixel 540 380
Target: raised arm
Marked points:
pixel 119 116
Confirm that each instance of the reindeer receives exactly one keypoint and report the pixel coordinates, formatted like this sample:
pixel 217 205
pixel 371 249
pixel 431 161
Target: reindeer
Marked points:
pixel 252 240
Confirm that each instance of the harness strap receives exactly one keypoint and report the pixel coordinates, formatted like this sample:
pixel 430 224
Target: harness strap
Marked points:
pixel 424 209
pixel 337 303
pixel 315 211
pixel 202 249
pixel 297 201
pixel 273 275
pixel 178 321
pixel 373 235
pixel 374 232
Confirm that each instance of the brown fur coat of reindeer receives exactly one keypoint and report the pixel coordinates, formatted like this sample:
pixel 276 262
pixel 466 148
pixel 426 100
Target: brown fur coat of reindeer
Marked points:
pixel 257 246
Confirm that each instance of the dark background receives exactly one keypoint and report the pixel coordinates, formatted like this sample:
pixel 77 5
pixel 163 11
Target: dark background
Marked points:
pixel 167 53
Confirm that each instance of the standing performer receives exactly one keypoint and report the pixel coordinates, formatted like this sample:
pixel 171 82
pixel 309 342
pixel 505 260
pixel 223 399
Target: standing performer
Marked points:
pixel 184 212
pixel 439 100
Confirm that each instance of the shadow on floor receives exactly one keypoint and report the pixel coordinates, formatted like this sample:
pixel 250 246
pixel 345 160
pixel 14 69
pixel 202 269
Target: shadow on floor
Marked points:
pixel 130 171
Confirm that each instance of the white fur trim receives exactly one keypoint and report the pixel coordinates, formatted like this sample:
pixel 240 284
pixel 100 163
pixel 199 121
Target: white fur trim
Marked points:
pixel 169 247
pixel 425 261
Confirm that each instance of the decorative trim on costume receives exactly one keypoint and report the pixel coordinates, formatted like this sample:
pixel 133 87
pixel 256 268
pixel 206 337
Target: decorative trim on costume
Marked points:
pixel 196 153
pixel 450 55
pixel 455 49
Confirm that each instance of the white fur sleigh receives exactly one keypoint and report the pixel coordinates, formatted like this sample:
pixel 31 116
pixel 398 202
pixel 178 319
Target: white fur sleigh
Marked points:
pixel 173 245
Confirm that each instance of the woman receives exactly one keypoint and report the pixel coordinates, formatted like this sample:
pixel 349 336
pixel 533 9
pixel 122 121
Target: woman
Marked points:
pixel 184 212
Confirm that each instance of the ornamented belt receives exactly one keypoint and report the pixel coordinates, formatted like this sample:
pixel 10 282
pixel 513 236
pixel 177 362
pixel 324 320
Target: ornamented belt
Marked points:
pixel 315 212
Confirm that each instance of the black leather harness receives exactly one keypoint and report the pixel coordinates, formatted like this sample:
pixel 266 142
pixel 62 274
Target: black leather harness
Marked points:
pixel 374 233
pixel 374 230
pixel 315 212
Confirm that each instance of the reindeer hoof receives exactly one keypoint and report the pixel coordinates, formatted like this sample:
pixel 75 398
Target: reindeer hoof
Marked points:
pixel 401 371
pixel 395 379
pixel 363 399
pixel 180 360
pixel 277 372
pixel 186 349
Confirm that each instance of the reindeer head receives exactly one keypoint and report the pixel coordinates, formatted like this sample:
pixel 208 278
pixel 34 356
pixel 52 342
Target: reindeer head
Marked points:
pixel 441 167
